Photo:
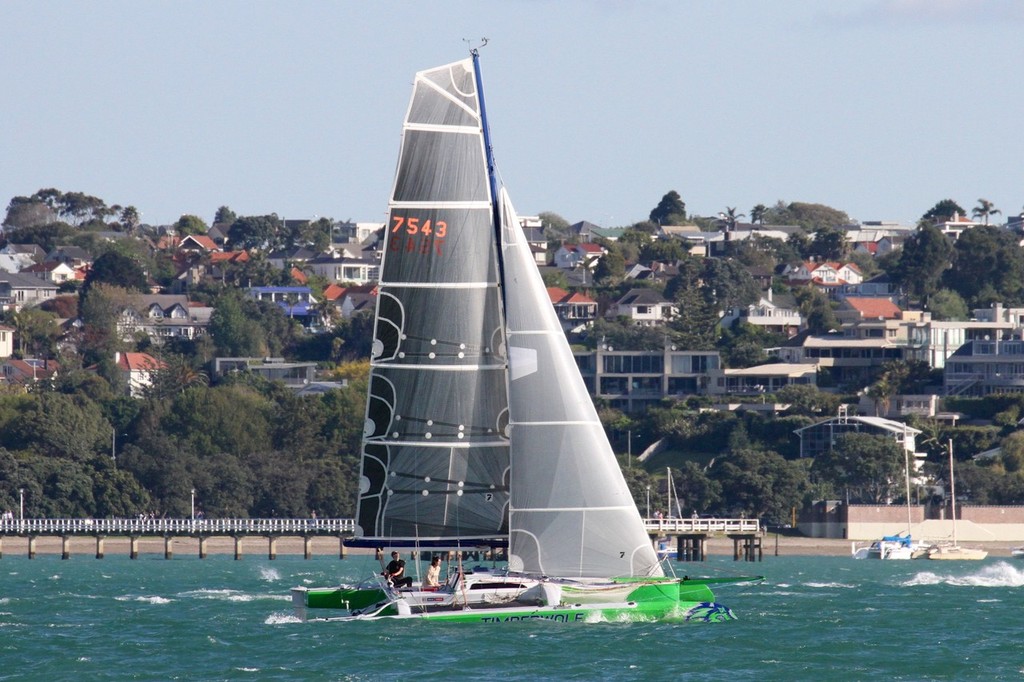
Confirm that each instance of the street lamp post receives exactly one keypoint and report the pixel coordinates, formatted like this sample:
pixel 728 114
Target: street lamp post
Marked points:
pixel 21 504
pixel 193 505
pixel 648 501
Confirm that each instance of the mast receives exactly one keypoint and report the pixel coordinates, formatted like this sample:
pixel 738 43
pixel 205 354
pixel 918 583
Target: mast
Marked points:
pixel 952 490
pixel 492 176
pixel 906 473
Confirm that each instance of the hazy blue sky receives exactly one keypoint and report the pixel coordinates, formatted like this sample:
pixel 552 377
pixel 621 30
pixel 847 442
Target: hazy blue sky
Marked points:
pixel 597 108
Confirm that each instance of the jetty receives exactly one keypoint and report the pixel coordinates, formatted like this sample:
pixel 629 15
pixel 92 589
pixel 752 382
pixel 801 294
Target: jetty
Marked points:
pixel 168 530
pixel 689 535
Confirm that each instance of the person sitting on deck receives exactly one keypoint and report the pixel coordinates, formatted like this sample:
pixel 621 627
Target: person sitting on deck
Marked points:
pixel 433 578
pixel 395 572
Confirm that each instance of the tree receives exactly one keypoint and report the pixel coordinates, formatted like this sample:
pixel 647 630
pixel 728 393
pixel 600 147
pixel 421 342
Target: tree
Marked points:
pixel 869 467
pixel 759 484
pixel 611 268
pixel 757 214
pixel 671 209
pixel 36 331
pixel 988 268
pixel 943 211
pixel 256 232
pixel 925 256
pixel 984 209
pixel 190 224
pixel 731 217
pixel 130 219
pixel 115 269
pixel 555 226
pixel 946 304
pixel 816 310
pixel 234 332
pixel 828 244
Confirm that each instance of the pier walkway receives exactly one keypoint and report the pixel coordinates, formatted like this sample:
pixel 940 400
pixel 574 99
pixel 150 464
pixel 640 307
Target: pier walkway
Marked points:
pixel 136 528
pixel 690 535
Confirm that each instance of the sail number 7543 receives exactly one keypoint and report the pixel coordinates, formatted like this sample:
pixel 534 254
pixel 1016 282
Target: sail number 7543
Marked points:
pixel 413 225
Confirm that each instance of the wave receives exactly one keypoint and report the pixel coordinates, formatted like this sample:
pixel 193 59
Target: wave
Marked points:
pixel 145 600
pixel 232 595
pixel 1000 574
pixel 830 585
pixel 279 618
pixel 269 574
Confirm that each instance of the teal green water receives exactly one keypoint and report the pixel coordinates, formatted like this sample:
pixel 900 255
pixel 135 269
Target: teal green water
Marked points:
pixel 817 618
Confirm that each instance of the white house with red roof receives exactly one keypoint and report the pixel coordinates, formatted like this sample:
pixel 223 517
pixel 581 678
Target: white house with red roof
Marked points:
pixel 571 256
pixel 137 369
pixel 954 226
pixel 54 271
pixel 197 242
pixel 575 311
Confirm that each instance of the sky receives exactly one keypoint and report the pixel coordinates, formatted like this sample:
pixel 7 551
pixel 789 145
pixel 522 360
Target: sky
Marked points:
pixel 597 108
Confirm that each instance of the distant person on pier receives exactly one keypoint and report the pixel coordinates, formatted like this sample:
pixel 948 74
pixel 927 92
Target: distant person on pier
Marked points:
pixel 433 578
pixel 395 572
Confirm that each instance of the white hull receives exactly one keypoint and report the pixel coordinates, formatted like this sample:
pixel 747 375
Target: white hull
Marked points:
pixel 955 553
pixel 888 550
pixel 1017 552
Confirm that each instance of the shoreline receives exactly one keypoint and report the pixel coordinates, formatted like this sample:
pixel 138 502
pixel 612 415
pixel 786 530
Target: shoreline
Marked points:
pixel 258 547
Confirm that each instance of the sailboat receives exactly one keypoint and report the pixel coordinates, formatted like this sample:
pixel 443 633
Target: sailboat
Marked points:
pixel 902 545
pixel 945 551
pixel 479 430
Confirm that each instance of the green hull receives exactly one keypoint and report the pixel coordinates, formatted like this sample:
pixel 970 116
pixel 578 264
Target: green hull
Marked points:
pixel 643 599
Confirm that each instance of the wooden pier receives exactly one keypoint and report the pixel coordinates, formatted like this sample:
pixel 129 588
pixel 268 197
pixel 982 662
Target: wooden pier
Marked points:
pixel 168 530
pixel 691 536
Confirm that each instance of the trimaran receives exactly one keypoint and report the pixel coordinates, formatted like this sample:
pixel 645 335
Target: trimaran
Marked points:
pixel 479 431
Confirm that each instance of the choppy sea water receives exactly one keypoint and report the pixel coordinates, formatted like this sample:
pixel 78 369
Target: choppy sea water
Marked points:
pixel 816 618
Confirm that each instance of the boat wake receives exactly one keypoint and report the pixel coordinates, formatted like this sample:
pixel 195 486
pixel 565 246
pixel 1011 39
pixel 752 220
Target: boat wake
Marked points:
pixel 146 600
pixel 1000 574
pixel 279 618
pixel 232 595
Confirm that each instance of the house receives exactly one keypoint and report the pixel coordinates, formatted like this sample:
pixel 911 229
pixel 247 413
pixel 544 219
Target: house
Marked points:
pixel 197 243
pixel 28 370
pixel 575 311
pixel 821 437
pixel 571 256
pixel 6 341
pixel 829 277
pixel 137 370
pixel 54 271
pixel 75 256
pixel 985 367
pixel 162 316
pixel 32 252
pixel 634 380
pixel 295 375
pixel 15 262
pixel 762 379
pixel 18 290
pixel 955 225
pixel 282 257
pixel 644 307
pixel 857 309
pixel 341 269
pixel 767 314
pixel 296 302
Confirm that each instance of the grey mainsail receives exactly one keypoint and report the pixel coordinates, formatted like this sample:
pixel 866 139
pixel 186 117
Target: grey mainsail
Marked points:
pixel 435 463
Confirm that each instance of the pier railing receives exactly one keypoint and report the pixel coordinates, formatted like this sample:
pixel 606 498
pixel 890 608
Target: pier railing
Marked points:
pixel 151 526
pixel 676 526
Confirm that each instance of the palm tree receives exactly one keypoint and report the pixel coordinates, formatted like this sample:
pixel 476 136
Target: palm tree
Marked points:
pixel 984 209
pixel 757 214
pixel 730 217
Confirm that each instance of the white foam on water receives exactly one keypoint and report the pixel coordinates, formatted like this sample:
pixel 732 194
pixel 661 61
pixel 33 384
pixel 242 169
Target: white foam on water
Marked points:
pixel 829 585
pixel 144 599
pixel 269 574
pixel 1000 574
pixel 279 618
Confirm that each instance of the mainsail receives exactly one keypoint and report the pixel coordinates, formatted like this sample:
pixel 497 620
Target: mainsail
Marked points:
pixel 435 463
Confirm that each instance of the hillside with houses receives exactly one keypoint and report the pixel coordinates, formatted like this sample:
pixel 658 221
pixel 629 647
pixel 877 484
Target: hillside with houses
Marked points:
pixel 798 357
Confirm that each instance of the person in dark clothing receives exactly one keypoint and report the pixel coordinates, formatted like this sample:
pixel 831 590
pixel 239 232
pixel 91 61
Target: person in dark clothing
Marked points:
pixel 395 572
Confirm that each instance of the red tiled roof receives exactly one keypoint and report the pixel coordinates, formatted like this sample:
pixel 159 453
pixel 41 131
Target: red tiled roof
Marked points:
pixel 136 362
pixel 299 276
pixel 231 256
pixel 202 240
pixel 333 292
pixel 871 308
pixel 556 294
